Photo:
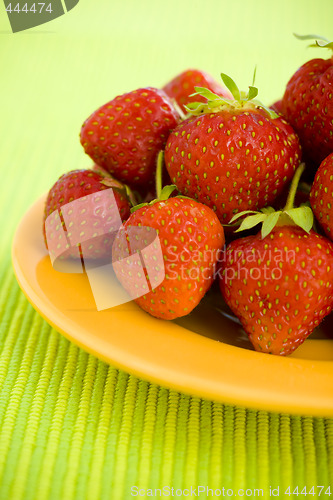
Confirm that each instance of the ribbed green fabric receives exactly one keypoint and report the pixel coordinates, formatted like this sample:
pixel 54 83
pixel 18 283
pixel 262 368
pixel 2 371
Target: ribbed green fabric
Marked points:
pixel 72 427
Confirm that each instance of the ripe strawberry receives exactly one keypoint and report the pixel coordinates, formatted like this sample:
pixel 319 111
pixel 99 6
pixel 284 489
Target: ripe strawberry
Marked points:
pixel 234 156
pixel 125 134
pixel 277 107
pixel 279 306
pixel 190 237
pixel 279 283
pixel 321 195
pixel 183 86
pixel 307 105
pixel 75 185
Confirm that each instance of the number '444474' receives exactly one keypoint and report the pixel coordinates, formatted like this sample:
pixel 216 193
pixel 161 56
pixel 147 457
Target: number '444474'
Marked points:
pixel 35 8
pixel 315 491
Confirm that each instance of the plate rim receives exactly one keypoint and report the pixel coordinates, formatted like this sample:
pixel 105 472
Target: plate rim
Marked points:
pixel 191 384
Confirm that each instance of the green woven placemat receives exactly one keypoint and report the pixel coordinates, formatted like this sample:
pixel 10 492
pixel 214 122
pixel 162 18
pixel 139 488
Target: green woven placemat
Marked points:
pixel 72 427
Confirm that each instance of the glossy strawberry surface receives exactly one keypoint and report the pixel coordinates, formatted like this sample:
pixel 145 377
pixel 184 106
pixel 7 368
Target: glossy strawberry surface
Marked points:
pixel 125 135
pixel 190 238
pixel 280 287
pixel 89 218
pixel 232 160
pixel 307 104
pixel 321 196
pixel 183 86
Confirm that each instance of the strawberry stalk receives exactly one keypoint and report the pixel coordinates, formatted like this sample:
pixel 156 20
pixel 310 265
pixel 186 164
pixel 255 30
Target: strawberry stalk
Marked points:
pixel 320 41
pixel 293 187
pixel 158 175
pixel 162 194
pixel 301 216
pixel 111 182
pixel 179 110
pixel 130 195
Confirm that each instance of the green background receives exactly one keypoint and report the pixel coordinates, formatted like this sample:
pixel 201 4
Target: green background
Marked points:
pixel 70 426
pixel 55 75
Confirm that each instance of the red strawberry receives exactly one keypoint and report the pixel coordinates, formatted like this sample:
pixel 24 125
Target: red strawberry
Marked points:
pixel 279 283
pixel 277 107
pixel 183 85
pixel 90 219
pixel 125 135
pixel 234 156
pixel 321 195
pixel 190 238
pixel 307 104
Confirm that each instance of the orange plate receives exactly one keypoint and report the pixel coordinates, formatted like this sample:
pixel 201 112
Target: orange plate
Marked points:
pixel 204 354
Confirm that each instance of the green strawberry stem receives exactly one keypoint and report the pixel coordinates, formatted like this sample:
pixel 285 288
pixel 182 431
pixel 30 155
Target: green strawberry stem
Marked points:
pixel 301 216
pixel 179 110
pixel 162 193
pixel 293 187
pixel 320 41
pixel 121 187
pixel 130 195
pixel 111 182
pixel 158 174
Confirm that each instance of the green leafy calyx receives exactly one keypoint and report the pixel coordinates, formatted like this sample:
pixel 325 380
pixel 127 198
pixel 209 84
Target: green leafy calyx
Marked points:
pixel 164 195
pixel 301 216
pixel 216 103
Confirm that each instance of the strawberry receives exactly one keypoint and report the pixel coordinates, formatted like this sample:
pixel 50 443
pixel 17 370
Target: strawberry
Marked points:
pixel 183 86
pixel 89 220
pixel 125 134
pixel 235 155
pixel 321 196
pixel 190 238
pixel 277 107
pixel 307 105
pixel 279 283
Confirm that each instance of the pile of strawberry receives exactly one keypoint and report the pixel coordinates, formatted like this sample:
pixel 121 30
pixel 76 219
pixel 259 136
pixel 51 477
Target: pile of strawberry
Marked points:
pixel 229 159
